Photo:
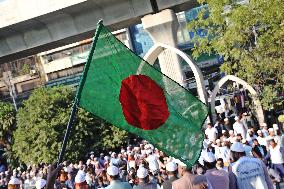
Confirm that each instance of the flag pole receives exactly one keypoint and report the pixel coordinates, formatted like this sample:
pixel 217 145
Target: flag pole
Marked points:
pixel 78 94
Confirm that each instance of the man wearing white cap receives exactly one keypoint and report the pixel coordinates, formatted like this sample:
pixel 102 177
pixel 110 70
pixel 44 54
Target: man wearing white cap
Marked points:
pixel 171 169
pixel 264 129
pixel 239 127
pixel 40 184
pixel 270 136
pixel 14 183
pixel 247 172
pixel 152 160
pixel 113 177
pixel 250 136
pixel 218 148
pixel 224 136
pixel 227 124
pixel 232 138
pixel 211 132
pixel 186 180
pixel 278 136
pixel 80 180
pixel 144 183
pixel 114 159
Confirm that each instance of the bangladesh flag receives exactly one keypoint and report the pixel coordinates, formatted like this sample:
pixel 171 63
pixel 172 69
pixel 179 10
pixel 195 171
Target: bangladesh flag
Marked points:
pixel 123 89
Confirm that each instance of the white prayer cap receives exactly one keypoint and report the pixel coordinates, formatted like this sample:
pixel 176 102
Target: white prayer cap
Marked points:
pixel 270 130
pixel 14 180
pixel 263 124
pixel 149 151
pixel 223 131
pixel 40 183
pixel 218 141
pixel 250 130
pixel 209 157
pixel 226 119
pixel 231 132
pixel 112 154
pixel 80 177
pixel 259 131
pixel 244 141
pixel 275 126
pixel 171 166
pixel 236 118
pixel 112 171
pixel 146 146
pixel 237 147
pixel 180 163
pixel 142 172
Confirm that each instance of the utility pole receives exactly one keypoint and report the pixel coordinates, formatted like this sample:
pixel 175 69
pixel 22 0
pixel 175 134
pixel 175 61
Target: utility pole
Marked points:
pixel 7 76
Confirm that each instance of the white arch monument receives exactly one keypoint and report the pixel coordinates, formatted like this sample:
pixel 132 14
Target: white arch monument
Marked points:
pixel 158 48
pixel 221 82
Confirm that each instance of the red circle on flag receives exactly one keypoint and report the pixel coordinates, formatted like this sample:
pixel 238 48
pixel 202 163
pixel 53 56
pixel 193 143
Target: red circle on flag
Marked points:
pixel 143 102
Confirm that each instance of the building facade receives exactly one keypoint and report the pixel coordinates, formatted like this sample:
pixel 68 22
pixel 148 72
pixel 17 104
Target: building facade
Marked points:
pixel 64 65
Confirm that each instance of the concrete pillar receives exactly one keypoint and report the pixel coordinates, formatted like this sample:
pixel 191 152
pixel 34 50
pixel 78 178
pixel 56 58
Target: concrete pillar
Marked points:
pixel 162 28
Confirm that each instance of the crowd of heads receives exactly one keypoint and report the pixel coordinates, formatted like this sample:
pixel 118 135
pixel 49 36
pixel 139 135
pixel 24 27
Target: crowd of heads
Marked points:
pixel 231 138
pixel 225 142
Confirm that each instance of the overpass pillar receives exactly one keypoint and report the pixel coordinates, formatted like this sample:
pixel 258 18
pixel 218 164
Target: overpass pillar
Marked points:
pixel 162 28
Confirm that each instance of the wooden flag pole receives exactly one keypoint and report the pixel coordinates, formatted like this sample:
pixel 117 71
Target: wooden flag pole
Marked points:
pixel 78 94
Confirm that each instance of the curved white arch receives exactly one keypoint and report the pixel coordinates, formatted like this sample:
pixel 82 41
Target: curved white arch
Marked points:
pixel 158 48
pixel 221 82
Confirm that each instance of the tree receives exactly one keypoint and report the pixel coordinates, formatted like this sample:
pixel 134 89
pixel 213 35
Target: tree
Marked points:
pixel 7 123
pixel 41 124
pixel 249 35
pixel 7 127
pixel 25 69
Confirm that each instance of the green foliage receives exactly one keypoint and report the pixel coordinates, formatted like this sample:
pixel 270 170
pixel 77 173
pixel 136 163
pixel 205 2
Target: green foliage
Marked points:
pixel 112 137
pixel 281 118
pixel 41 124
pixel 25 69
pixel 7 123
pixel 7 126
pixel 250 38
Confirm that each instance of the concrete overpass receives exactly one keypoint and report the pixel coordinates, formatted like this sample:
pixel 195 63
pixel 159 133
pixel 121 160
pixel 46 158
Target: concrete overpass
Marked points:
pixel 76 22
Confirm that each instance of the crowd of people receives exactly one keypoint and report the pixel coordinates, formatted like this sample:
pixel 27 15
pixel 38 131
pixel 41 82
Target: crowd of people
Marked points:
pixel 235 154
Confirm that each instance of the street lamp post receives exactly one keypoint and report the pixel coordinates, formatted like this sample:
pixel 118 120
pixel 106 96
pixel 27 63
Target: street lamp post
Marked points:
pixel 7 81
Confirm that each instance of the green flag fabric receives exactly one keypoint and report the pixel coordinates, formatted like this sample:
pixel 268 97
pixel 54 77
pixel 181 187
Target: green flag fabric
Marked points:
pixel 126 91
